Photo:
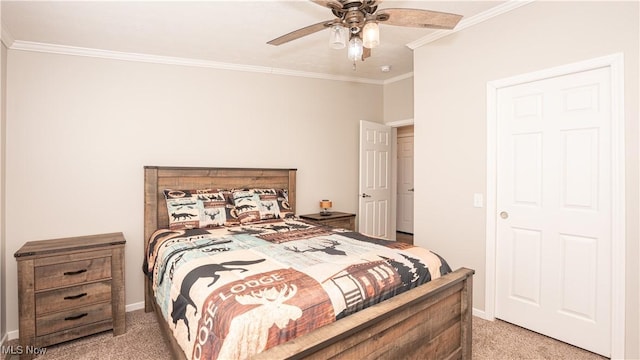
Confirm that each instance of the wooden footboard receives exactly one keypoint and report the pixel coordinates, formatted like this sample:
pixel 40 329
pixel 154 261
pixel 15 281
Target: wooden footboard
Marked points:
pixel 432 321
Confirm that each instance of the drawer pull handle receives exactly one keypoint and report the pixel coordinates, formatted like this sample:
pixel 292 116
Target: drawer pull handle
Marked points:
pixel 75 272
pixel 76 317
pixel 75 296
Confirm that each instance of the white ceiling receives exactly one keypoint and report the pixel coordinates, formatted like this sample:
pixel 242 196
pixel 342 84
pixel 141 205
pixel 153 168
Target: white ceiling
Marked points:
pixel 228 32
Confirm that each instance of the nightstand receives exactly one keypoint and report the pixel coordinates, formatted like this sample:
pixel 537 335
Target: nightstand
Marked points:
pixel 69 288
pixel 335 219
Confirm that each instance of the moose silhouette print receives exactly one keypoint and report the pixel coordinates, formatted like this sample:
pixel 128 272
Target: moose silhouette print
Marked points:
pixel 204 271
pixel 255 324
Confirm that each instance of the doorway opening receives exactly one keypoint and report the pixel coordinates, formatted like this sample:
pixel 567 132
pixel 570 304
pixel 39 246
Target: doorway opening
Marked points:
pixel 404 185
pixel 385 144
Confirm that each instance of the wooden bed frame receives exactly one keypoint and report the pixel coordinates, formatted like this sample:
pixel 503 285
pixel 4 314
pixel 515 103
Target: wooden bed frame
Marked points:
pixel 432 321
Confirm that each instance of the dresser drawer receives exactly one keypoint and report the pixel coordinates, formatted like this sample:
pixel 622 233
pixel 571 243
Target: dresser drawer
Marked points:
pixel 335 219
pixel 64 320
pixel 72 297
pixel 339 223
pixel 70 273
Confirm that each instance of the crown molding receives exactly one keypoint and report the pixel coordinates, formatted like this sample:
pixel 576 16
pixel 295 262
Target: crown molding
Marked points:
pixel 169 60
pixel 398 78
pixel 471 21
pixel 7 38
pixel 13 44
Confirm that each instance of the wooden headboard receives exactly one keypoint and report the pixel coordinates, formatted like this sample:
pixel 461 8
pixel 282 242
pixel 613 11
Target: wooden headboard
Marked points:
pixel 158 178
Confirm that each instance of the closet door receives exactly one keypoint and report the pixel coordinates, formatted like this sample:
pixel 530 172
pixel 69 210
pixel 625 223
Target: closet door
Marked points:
pixel 404 221
pixel 554 199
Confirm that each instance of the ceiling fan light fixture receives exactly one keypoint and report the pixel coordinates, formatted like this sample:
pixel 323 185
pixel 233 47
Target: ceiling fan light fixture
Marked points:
pixel 371 34
pixel 356 25
pixel 355 49
pixel 338 37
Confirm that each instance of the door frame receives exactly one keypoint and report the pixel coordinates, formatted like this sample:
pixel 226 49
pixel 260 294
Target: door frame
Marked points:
pixel 394 168
pixel 615 63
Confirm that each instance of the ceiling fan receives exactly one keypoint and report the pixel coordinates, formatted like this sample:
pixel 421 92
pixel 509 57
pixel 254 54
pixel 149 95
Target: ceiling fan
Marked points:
pixel 356 24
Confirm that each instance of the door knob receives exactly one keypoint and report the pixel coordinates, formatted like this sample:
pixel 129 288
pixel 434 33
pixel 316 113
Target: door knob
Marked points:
pixel 410 190
pixel 365 195
pixel 504 214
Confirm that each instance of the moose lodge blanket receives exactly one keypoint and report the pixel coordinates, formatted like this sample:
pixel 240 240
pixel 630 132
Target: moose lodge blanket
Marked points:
pixel 232 292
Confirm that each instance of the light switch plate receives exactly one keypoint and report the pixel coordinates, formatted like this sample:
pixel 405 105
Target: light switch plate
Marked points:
pixel 478 200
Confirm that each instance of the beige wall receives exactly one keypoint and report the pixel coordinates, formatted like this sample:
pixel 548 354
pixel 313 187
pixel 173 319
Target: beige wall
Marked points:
pixel 398 100
pixel 80 130
pixel 450 121
pixel 3 292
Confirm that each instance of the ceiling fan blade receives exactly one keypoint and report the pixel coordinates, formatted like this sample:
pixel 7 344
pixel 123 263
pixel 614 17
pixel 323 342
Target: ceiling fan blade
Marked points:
pixel 331 4
pixel 418 18
pixel 366 52
pixel 301 32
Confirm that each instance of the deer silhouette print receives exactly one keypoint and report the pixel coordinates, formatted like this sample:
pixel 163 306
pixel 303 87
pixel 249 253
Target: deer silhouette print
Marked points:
pixel 209 271
pixel 212 214
pixel 254 324
pixel 267 205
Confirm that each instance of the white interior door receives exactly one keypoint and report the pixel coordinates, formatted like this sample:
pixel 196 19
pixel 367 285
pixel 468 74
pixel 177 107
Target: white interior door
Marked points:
pixel 404 220
pixel 374 216
pixel 553 246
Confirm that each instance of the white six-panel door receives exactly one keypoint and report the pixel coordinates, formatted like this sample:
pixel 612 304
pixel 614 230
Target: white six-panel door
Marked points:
pixel 553 245
pixel 374 217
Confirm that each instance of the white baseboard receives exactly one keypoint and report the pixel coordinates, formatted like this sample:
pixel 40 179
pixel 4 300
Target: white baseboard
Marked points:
pixel 12 335
pixel 134 306
pixel 481 314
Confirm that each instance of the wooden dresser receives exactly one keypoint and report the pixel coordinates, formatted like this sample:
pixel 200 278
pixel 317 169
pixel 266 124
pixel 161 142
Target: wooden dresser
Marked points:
pixel 335 219
pixel 69 288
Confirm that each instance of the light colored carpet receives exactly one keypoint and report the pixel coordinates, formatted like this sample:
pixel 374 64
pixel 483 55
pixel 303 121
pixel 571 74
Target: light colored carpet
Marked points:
pixel 142 340
pixel 492 340
pixel 501 340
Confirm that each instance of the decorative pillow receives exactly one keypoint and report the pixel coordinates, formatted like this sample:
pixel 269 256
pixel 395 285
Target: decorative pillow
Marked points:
pixel 268 203
pixel 247 208
pixel 283 204
pixel 261 204
pixel 190 209
pixel 230 209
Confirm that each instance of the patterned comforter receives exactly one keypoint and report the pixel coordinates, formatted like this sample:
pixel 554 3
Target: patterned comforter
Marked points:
pixel 231 292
